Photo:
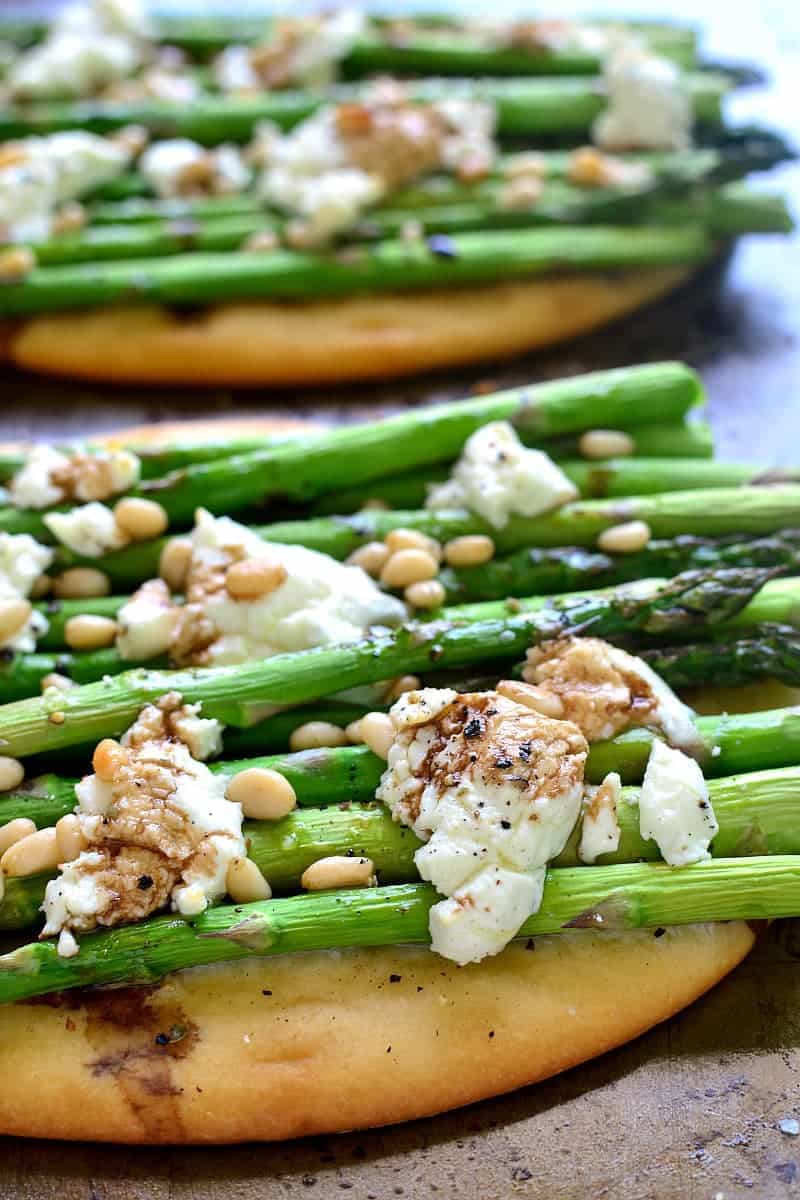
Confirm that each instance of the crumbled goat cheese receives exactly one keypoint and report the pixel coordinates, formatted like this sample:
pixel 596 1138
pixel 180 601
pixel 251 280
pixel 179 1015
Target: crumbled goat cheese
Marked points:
pixel 50 171
pixel 494 790
pixel 148 623
pixel 88 46
pixel 603 690
pixel 90 530
pixel 180 167
pixel 301 52
pixel 22 561
pixel 469 131
pixel 161 831
pixel 50 477
pixel 233 70
pixel 649 107
pixel 320 601
pixel 327 40
pixel 674 808
pixel 600 828
pixel 497 478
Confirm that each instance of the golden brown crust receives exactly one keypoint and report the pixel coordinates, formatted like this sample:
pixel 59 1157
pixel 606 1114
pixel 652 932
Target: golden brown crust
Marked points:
pixel 325 1042
pixel 329 341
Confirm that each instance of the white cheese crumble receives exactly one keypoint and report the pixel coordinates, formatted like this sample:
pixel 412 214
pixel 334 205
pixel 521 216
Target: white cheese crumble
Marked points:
pixel 90 530
pixel 22 561
pixel 160 832
pixel 494 790
pixel 49 477
pixel 167 165
pixel 148 623
pixel 32 486
pixel 649 107
pixel 325 42
pixel 233 70
pixel 600 828
pixel 87 47
pixel 674 807
pixel 497 477
pixel 320 601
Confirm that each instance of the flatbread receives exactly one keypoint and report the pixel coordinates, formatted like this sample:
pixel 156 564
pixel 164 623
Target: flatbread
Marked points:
pixel 324 1042
pixel 268 1049
pixel 263 344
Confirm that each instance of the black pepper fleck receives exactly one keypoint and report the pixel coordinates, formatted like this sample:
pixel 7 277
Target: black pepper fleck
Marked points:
pixel 144 883
pixel 659 932
pixel 473 728
pixel 395 978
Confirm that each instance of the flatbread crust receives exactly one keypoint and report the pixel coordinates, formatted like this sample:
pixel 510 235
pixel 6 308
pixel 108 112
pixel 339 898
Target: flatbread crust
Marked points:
pixel 269 1049
pixel 324 1042
pixel 264 344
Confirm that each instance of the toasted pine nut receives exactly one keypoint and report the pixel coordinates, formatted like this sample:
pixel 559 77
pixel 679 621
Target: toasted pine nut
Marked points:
pixel 81 583
pixel 13 615
pixel 429 593
pixel 397 688
pixel 141 519
pixel 531 696
pixel 60 682
pixel 354 735
pixel 338 871
pixel 245 883
pixel 317 735
pixel 412 539
pixel 32 854
pixel 16 263
pixel 606 443
pixel 525 163
pixel 409 566
pixel 42 586
pixel 469 551
pixel 588 167
pixel 261 241
pixel 371 557
pixel 14 831
pixel 12 773
pixel 87 632
pixel 253 578
pixel 264 795
pixel 174 563
pixel 626 538
pixel 69 837
pixel 107 759
pixel 377 731
pixel 518 194
pixel 57 718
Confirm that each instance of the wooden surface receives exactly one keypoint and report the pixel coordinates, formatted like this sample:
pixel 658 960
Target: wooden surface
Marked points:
pixel 693 1109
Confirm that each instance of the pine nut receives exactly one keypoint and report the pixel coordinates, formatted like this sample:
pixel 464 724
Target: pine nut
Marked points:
pixel 57 718
pixel 521 193
pixel 626 538
pixel 253 578
pixel 354 735
pixel 16 263
pixel 317 735
pixel 13 615
pixel 377 731
pixel 371 557
pixel 412 539
pixel 32 854
pixel 14 831
pixel 530 696
pixel 87 632
pixel 525 163
pixel 427 594
pixel 60 682
pixel 12 773
pixel 141 519
pixel 409 566
pixel 264 795
pixel 606 443
pixel 81 583
pixel 469 551
pixel 174 563
pixel 42 586
pixel 261 241
pixel 398 687
pixel 244 882
pixel 69 837
pixel 338 871
pixel 588 167
pixel 107 759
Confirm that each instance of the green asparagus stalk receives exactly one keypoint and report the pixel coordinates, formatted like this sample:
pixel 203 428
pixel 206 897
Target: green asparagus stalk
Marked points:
pixel 565 107
pixel 237 695
pixel 630 896
pixel 468 258
pixel 757 814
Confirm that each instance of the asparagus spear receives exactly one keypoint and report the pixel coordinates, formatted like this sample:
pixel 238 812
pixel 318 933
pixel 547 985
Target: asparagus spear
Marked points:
pixel 629 896
pixel 237 695
pixel 468 258
pixel 525 108
pixel 757 814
